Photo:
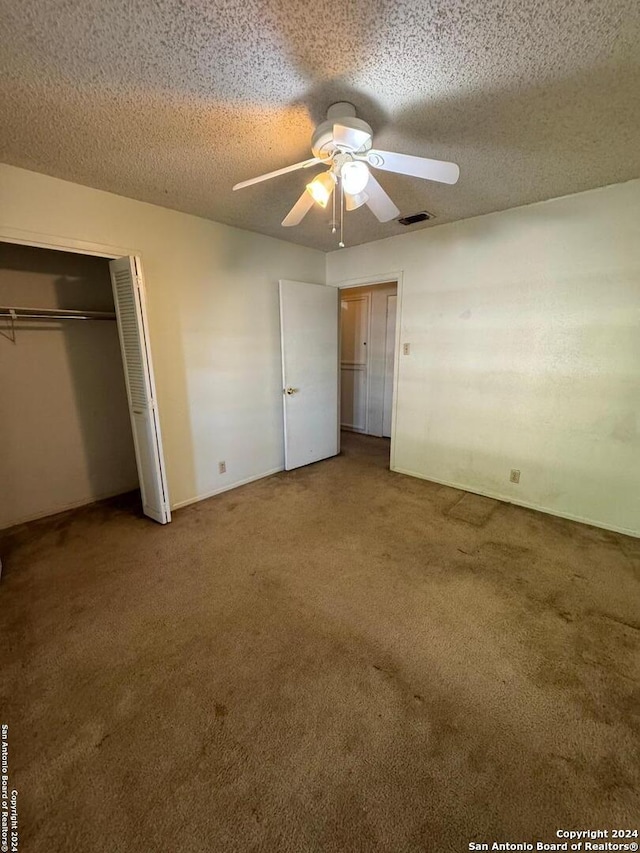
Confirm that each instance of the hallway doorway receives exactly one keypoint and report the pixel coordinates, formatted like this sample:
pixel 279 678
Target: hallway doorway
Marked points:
pixel 367 353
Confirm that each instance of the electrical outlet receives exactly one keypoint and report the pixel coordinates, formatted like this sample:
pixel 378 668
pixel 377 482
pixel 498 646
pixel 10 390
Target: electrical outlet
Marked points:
pixel 222 467
pixel 406 349
pixel 514 477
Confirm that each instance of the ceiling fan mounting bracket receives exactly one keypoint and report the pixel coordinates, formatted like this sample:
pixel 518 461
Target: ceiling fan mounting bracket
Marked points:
pixel 340 110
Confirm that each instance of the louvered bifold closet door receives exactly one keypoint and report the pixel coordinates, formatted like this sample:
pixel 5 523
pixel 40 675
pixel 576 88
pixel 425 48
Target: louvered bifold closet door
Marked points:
pixel 128 295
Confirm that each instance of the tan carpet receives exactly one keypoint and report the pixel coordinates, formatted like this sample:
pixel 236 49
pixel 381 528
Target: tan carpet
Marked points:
pixel 326 660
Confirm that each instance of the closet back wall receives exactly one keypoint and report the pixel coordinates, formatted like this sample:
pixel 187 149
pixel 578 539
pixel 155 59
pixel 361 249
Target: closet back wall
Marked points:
pixel 65 436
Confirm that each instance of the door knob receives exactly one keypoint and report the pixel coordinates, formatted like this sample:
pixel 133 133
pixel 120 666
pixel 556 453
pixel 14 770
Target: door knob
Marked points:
pixel 290 391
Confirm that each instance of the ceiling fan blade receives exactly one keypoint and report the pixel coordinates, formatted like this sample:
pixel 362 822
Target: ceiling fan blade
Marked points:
pixel 304 165
pixel 349 137
pixel 299 210
pixel 418 167
pixel 379 202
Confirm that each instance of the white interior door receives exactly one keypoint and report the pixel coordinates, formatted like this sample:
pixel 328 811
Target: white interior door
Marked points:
pixel 309 334
pixel 128 295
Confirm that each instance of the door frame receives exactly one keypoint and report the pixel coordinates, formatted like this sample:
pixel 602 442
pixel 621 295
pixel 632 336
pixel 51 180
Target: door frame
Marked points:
pixel 109 253
pixel 363 281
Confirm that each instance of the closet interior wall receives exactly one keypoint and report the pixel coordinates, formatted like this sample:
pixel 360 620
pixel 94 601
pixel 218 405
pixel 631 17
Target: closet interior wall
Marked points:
pixel 65 433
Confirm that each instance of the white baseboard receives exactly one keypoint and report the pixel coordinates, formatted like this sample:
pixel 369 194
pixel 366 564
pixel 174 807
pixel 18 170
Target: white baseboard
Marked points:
pixel 235 485
pixel 509 500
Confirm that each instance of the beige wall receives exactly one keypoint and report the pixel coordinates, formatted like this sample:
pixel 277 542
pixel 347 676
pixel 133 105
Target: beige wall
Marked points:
pixel 212 294
pixel 65 436
pixel 524 329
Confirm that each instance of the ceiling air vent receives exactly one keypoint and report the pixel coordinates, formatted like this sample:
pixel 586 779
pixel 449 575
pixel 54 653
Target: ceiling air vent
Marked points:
pixel 423 216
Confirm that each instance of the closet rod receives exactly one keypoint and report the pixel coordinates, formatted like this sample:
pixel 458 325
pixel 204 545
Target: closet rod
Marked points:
pixel 53 314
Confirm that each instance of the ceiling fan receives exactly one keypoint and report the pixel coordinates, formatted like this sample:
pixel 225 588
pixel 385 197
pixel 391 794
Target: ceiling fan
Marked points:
pixel 343 143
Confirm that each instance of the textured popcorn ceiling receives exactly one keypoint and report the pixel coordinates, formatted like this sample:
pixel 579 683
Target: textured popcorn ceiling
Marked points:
pixel 173 101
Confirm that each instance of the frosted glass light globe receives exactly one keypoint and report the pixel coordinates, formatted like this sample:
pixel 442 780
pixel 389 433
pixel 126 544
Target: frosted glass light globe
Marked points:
pixel 355 175
pixel 321 188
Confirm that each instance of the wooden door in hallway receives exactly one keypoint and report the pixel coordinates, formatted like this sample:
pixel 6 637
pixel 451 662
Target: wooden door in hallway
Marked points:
pixel 368 331
pixel 354 380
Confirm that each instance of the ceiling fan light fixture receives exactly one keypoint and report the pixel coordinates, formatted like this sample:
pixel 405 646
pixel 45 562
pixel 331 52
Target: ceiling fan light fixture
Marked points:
pixel 321 187
pixel 343 145
pixel 355 176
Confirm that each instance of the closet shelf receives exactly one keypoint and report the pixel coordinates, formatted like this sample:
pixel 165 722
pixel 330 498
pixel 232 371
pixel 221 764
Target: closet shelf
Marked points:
pixel 53 314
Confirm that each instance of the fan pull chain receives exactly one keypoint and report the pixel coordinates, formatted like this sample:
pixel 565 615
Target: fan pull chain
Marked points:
pixel 341 243
pixel 333 218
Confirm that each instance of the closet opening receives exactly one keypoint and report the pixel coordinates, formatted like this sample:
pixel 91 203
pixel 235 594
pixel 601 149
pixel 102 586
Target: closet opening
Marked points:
pixel 79 420
pixel 367 358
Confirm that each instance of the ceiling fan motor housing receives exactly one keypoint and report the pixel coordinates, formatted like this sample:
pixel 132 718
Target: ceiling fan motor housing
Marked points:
pixel 322 144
